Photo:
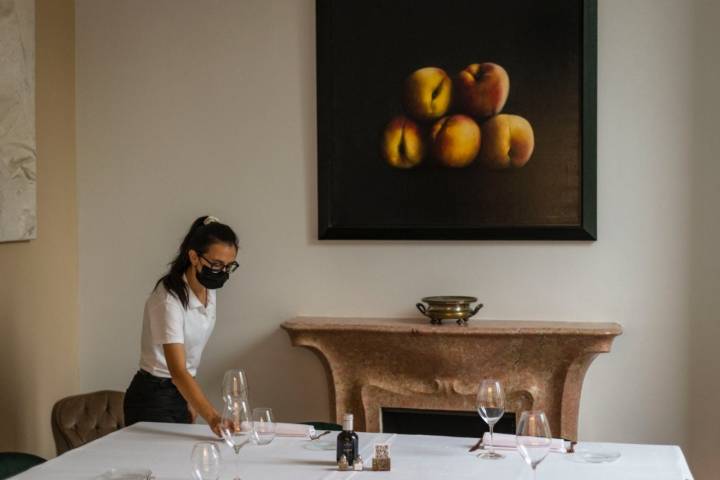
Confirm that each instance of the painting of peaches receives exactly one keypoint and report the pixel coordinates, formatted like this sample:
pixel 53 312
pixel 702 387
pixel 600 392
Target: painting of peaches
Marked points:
pixel 477 96
pixel 456 120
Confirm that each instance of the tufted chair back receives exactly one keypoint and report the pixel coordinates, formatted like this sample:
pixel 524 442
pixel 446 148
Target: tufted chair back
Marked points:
pixel 80 419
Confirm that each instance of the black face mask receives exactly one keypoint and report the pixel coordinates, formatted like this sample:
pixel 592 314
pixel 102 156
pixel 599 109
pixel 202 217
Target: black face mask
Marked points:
pixel 211 280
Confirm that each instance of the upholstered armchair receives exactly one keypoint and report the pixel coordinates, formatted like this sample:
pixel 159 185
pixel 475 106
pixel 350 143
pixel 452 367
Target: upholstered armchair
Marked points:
pixel 80 419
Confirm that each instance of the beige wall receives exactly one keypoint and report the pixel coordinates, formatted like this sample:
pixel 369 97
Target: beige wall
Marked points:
pixel 184 111
pixel 38 279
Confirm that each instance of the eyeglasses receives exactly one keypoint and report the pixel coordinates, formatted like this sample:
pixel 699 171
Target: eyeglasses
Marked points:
pixel 217 266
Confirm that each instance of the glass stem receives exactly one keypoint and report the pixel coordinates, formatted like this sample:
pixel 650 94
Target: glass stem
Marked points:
pixel 237 463
pixel 492 443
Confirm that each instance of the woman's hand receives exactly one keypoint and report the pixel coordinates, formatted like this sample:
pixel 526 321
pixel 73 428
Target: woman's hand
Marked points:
pixel 214 422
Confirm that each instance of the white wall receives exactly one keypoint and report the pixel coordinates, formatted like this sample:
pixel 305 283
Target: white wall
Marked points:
pixel 188 107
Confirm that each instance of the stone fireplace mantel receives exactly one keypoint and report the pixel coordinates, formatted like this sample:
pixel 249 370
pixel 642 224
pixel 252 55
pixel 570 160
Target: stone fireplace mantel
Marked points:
pixel 375 363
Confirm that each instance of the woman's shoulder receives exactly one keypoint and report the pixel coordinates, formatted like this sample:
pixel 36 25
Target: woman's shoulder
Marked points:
pixel 162 296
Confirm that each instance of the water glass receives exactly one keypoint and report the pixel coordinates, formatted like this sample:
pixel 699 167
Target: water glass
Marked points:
pixel 533 438
pixel 235 427
pixel 235 424
pixel 491 407
pixel 263 425
pixel 205 460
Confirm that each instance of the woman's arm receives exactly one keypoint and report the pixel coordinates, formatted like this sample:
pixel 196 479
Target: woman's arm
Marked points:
pixel 188 387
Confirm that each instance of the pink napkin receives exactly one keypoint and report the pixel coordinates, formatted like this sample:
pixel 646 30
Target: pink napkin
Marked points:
pixel 287 429
pixel 504 441
pixel 293 430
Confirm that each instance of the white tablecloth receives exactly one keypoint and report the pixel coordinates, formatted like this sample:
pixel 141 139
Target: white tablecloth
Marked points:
pixel 165 449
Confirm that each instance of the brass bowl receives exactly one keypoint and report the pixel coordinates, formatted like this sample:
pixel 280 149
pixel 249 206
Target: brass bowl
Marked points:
pixel 450 307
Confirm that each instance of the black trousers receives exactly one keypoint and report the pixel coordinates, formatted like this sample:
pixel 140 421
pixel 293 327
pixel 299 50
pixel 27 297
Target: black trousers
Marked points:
pixel 154 399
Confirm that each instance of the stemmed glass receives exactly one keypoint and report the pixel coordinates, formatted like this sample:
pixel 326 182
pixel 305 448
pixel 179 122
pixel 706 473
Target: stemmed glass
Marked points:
pixel 235 385
pixel 205 459
pixel 235 426
pixel 491 407
pixel 533 438
pixel 263 428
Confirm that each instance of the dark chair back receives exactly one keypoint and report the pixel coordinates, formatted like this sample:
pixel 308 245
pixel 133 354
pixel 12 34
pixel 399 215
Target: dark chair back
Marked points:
pixel 12 463
pixel 80 419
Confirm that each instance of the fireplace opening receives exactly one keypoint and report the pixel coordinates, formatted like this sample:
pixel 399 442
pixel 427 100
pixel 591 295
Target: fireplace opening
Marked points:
pixel 440 422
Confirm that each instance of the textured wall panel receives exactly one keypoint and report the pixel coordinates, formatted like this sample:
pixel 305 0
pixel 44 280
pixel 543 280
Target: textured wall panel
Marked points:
pixel 17 120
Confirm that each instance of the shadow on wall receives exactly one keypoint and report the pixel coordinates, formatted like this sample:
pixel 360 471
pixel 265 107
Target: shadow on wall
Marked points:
pixel 10 381
pixel 24 393
pixel 704 391
pixel 271 364
pixel 308 124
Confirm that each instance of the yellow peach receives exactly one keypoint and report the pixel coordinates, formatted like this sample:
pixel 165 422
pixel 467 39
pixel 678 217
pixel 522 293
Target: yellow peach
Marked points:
pixel 402 144
pixel 427 93
pixel 455 140
pixel 482 89
pixel 508 142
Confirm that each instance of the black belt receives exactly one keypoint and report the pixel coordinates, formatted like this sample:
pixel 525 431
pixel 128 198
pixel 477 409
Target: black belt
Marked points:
pixel 149 376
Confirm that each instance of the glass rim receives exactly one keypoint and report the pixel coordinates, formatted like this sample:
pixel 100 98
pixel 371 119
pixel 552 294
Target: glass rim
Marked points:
pixel 533 412
pixel 235 372
pixel 234 383
pixel 213 447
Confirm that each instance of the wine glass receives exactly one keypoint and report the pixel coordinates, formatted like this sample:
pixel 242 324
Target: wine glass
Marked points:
pixel 205 460
pixel 235 385
pixel 263 427
pixel 491 407
pixel 235 426
pixel 533 438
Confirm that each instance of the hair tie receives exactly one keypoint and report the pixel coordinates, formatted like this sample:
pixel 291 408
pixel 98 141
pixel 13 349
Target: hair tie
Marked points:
pixel 210 219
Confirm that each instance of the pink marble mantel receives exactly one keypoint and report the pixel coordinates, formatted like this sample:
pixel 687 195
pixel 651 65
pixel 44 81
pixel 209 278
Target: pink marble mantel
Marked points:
pixel 373 363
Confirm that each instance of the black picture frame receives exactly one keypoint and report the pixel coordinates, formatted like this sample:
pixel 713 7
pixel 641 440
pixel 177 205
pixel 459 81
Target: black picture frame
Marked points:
pixel 331 222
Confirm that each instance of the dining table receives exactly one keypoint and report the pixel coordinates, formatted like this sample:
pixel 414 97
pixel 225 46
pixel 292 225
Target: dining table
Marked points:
pixel 165 450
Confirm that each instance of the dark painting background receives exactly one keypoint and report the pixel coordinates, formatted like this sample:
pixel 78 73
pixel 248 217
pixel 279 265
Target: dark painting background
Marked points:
pixel 376 44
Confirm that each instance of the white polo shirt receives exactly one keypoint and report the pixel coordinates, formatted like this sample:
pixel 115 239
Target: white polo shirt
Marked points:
pixel 166 321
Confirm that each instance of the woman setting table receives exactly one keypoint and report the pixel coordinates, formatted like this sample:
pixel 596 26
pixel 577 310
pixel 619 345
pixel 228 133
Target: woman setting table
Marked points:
pixel 178 320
